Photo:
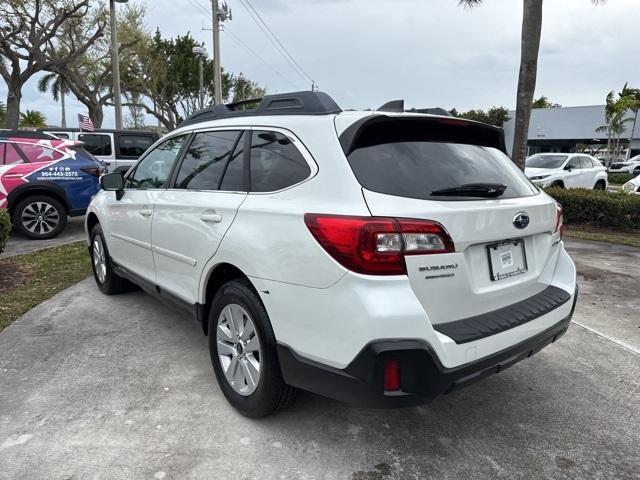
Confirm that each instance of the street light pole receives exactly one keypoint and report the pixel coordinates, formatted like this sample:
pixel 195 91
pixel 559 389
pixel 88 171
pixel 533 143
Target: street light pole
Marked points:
pixel 115 63
pixel 201 53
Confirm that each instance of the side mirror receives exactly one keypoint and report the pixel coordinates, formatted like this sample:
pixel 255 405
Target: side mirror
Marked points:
pixel 568 168
pixel 113 182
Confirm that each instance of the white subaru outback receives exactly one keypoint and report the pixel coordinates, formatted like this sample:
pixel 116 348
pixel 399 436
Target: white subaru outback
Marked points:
pixel 380 258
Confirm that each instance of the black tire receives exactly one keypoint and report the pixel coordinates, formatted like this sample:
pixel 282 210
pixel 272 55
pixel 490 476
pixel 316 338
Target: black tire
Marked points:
pixel 34 217
pixel 271 393
pixel 636 171
pixel 600 185
pixel 111 283
pixel 557 185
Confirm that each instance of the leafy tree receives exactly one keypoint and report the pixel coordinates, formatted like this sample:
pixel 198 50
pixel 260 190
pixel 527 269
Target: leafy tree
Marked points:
pixel 494 116
pixel 544 102
pixel 32 119
pixel 244 89
pixel 632 96
pixel 530 46
pixel 614 113
pixel 29 32
pixel 89 77
pixel 59 90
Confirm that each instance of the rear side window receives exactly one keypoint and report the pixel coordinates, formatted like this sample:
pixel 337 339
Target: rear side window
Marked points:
pixel 206 160
pixel 276 163
pixel 585 162
pixel 9 155
pixel 133 146
pixel 96 144
pixel 38 153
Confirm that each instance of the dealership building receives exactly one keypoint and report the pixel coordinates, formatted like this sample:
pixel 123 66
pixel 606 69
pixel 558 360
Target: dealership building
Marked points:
pixel 562 129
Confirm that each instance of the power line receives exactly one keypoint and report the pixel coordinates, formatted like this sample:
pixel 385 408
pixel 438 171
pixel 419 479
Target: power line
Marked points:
pixel 240 42
pixel 257 18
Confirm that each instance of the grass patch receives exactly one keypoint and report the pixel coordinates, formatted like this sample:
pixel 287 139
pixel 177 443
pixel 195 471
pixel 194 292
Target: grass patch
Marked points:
pixel 30 279
pixel 620 178
pixel 586 232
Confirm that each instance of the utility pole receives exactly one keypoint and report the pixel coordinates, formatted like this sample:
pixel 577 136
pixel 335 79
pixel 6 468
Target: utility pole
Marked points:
pixel 115 63
pixel 217 68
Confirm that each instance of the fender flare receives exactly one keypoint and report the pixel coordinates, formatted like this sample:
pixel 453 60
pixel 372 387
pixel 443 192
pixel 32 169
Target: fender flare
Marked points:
pixel 39 187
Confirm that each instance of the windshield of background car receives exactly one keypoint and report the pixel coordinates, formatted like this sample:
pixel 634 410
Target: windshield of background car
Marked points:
pixel 545 161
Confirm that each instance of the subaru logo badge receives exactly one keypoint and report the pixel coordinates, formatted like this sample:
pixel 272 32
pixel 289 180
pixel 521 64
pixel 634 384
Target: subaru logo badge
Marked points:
pixel 521 220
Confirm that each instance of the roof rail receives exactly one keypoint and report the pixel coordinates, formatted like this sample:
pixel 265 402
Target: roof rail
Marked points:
pixel 31 134
pixel 295 103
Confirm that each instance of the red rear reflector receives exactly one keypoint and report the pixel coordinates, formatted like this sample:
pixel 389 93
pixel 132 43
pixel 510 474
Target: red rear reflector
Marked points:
pixel 377 245
pixel 391 375
pixel 559 220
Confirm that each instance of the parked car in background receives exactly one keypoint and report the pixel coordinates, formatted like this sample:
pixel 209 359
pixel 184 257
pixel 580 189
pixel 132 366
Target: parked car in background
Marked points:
pixel 43 180
pixel 632 186
pixel 118 149
pixel 566 170
pixel 631 166
pixel 379 258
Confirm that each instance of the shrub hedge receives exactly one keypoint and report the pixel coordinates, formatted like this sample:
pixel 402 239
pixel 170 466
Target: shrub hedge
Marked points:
pixel 5 228
pixel 596 207
pixel 620 178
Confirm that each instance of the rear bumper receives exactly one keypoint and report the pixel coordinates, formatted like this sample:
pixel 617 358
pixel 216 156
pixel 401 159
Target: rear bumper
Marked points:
pixel 422 375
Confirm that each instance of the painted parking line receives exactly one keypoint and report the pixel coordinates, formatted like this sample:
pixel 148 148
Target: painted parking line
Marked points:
pixel 620 343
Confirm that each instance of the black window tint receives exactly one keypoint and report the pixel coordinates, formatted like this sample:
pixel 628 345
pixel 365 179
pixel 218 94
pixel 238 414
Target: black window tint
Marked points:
pixel 233 180
pixel 276 163
pixel 153 170
pixel 96 144
pixel 134 145
pixel 10 156
pixel 415 169
pixel 205 161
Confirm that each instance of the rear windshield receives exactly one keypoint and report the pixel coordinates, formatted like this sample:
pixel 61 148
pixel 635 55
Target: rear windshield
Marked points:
pixel 545 161
pixel 417 169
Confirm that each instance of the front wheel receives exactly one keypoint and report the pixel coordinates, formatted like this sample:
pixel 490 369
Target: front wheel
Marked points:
pixel 40 217
pixel 600 185
pixel 106 279
pixel 636 171
pixel 243 352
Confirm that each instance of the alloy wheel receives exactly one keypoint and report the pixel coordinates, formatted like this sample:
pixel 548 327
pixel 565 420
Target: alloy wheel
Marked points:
pixel 99 260
pixel 239 349
pixel 40 218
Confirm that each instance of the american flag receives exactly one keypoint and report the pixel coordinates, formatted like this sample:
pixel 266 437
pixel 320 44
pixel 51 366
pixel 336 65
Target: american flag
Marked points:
pixel 85 123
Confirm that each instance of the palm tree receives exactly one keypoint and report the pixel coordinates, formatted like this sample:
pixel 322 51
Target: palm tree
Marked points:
pixel 58 91
pixel 32 119
pixel 530 46
pixel 632 96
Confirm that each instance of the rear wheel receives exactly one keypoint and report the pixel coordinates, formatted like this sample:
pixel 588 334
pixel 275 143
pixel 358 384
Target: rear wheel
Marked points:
pixel 107 280
pixel 600 185
pixel 636 171
pixel 39 217
pixel 557 185
pixel 243 352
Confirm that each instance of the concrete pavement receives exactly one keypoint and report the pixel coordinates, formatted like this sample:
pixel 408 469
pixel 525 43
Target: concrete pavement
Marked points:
pixel 18 244
pixel 122 387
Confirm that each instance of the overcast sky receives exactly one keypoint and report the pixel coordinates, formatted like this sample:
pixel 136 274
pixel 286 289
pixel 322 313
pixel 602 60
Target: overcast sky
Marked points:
pixel 429 52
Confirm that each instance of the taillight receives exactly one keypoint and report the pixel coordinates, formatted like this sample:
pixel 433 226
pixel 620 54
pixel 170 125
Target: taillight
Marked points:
pixel 391 375
pixel 377 245
pixel 95 171
pixel 559 220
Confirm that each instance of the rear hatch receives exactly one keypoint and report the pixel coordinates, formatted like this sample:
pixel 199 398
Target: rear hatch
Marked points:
pixel 456 173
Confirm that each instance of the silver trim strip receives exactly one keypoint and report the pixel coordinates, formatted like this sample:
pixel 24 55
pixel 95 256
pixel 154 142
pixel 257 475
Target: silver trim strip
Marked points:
pixel 133 241
pixel 176 256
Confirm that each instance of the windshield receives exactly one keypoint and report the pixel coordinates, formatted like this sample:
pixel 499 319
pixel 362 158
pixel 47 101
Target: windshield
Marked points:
pixel 545 161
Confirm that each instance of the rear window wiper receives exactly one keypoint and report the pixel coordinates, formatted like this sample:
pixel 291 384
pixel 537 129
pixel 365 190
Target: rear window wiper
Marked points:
pixel 489 190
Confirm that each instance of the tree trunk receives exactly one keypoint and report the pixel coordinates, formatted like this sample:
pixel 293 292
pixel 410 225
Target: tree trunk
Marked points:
pixel 63 121
pixel 531 29
pixel 13 107
pixel 96 115
pixel 633 131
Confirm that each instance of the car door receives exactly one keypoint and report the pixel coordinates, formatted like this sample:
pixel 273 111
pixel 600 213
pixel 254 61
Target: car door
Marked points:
pixel 129 218
pixel 573 173
pixel 192 216
pixel 589 173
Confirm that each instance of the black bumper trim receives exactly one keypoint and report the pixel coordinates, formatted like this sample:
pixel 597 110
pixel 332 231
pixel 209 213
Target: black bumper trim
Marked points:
pixel 487 324
pixel 423 377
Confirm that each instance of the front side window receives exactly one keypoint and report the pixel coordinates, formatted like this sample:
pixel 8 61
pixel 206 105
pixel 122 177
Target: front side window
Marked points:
pixel 154 169
pixel 276 163
pixel 38 153
pixel 134 145
pixel 206 160
pixel 574 164
pixel 97 144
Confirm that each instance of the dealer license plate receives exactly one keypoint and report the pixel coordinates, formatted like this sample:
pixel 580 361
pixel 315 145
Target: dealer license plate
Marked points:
pixel 507 259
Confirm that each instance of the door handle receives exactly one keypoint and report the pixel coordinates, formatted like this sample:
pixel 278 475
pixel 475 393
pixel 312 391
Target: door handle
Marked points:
pixel 145 212
pixel 211 217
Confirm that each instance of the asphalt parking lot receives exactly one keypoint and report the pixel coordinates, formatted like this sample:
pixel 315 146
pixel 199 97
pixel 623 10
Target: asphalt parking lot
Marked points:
pixel 122 387
pixel 18 244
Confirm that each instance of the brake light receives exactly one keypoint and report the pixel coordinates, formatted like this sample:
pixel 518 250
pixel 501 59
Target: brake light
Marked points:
pixel 95 171
pixel 559 220
pixel 377 245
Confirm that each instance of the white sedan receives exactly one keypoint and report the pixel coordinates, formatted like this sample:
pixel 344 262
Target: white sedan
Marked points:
pixel 631 166
pixel 566 170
